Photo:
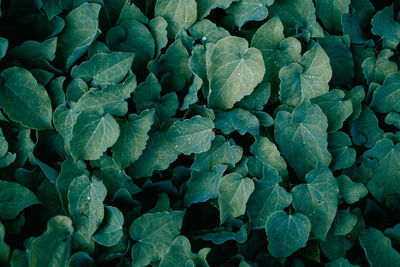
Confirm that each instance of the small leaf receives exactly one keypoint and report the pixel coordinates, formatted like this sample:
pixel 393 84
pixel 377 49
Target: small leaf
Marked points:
pixel 110 232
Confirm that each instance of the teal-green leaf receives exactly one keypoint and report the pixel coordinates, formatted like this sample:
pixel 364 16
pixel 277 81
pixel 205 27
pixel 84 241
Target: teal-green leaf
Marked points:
pixel 393 118
pixel 302 137
pixel 340 262
pixel 80 259
pixel 257 99
pixel 104 69
pixel 385 179
pixel 207 31
pixel 385 25
pixel 158 28
pixel 286 233
pixel 234 72
pixel 350 191
pixel 318 200
pixel 179 14
pixel 4 248
pixel 266 160
pixel 75 89
pixel 131 12
pixel 111 98
pixel 237 119
pixel 394 233
pixel 339 145
pixel 14 198
pixel 221 152
pixel 203 185
pixel 3 46
pixel 277 51
pixel 365 129
pixel 344 222
pixel 155 233
pixel 268 197
pixel 157 156
pixel 85 204
pixel 335 246
pixel 191 97
pixel 53 247
pixel 81 29
pixel 357 22
pixel 193 135
pixel 92 134
pixel 247 10
pixel 307 79
pixel 298 16
pixel 178 254
pixel 378 248
pixel 335 107
pixel 24 100
pixel 384 99
pixel 377 69
pixel 133 36
pixel 110 231
pixel 204 7
pixel 132 140
pixel 330 12
pixel 221 235
pixel 234 192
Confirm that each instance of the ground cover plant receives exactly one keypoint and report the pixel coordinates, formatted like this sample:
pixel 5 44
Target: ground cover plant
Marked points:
pixel 199 133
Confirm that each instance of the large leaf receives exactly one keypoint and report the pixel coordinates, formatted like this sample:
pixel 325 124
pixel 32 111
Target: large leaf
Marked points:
pixel 234 72
pixel 104 69
pixel 234 192
pixel 318 200
pixel 85 204
pixel 286 233
pixel 92 134
pixel 384 97
pixel 155 233
pixel 14 198
pixel 302 137
pixel 81 29
pixel 385 25
pixel 330 12
pixel 24 100
pixel 307 79
pixel 192 135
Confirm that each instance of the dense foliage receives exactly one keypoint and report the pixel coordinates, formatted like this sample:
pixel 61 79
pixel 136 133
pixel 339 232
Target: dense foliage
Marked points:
pixel 199 133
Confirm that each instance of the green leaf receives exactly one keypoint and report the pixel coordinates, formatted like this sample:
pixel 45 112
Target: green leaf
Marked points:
pixel 385 25
pixel 344 222
pixel 307 79
pixel 357 22
pixel 203 185
pixel 155 233
pixel 394 233
pixel 191 96
pixel 53 247
pixel 393 118
pixel 351 192
pixel 80 258
pixel 257 99
pixel 343 156
pixel 133 138
pixel 335 108
pixel 20 89
pixel 385 180
pixel 234 192
pixel 4 248
pixel 75 89
pixel 378 248
pixel 237 119
pixel 14 198
pixel 85 204
pixel 179 253
pixel 297 16
pixel 204 7
pixel 277 51
pixel 207 31
pixel 3 46
pixel 286 233
pixel 377 69
pixel 317 199
pixel 219 236
pixel 110 231
pixel 131 12
pixel 178 14
pixel 247 10
pixel 331 12
pixel 335 246
pixel 157 156
pixel 192 135
pixel 384 97
pixel 133 36
pixel 302 138
pixel 81 29
pixel 365 129
pixel 268 197
pixel 104 69
pixel 267 159
pixel 221 152
pixel 341 262
pixel 111 99
pixel 92 134
pixel 234 72
pixel 158 28
pixel 112 176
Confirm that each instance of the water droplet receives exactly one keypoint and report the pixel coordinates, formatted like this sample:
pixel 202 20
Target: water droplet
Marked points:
pixel 88 197
pixel 204 38
pixel 238 73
